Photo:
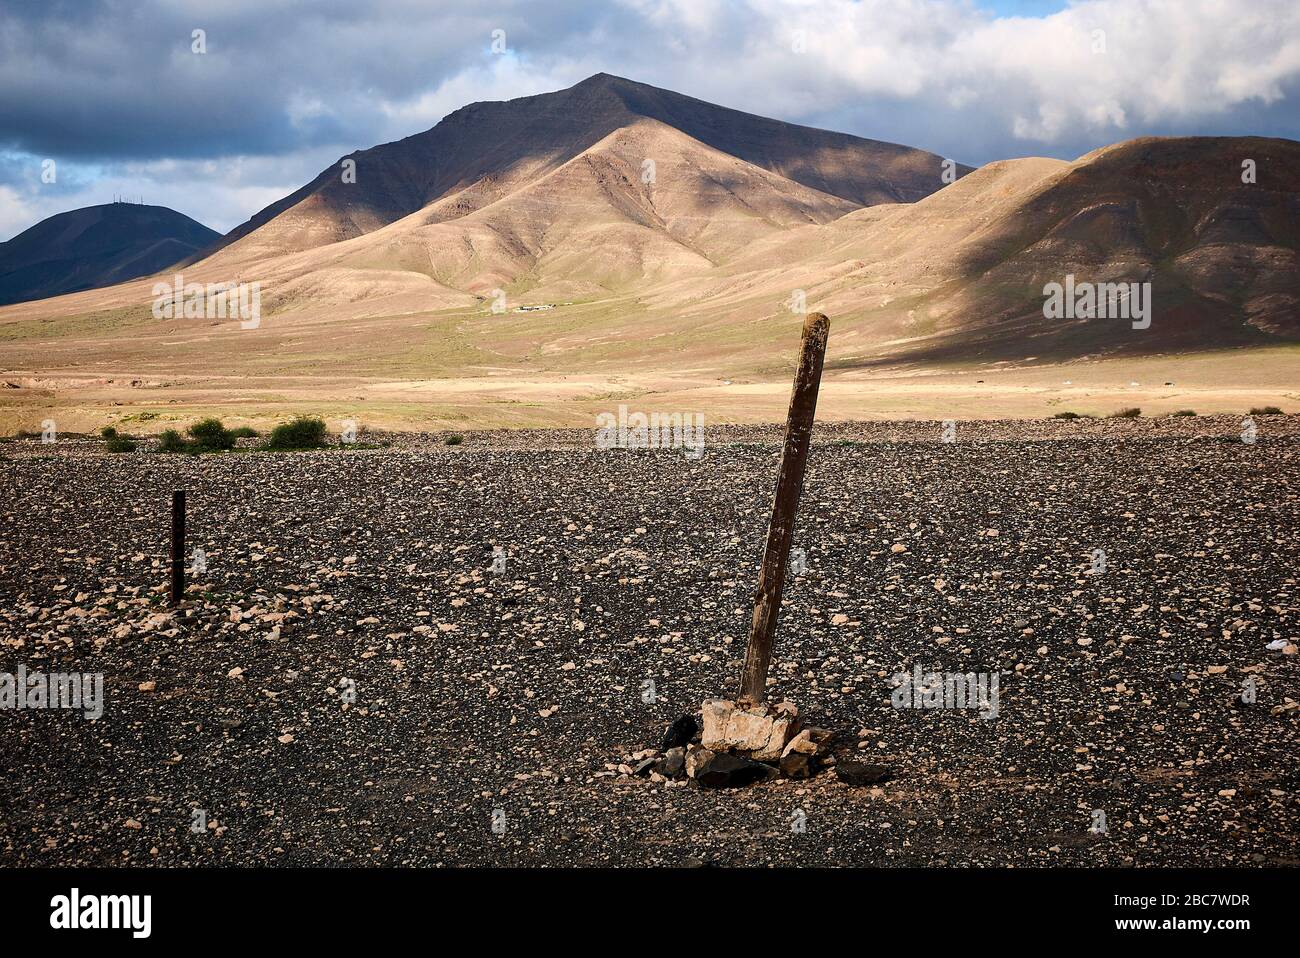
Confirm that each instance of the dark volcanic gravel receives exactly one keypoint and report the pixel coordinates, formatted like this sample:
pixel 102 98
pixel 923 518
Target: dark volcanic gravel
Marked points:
pixel 520 697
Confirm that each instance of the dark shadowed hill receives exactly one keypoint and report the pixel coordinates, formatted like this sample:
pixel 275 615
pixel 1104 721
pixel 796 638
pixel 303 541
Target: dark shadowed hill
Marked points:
pixel 96 246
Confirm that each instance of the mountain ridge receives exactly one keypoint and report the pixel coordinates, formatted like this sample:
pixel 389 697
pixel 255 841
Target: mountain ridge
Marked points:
pixel 649 246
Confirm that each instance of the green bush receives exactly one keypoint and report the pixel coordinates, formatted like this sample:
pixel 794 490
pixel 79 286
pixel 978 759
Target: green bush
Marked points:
pixel 169 440
pixel 305 432
pixel 1067 415
pixel 1266 411
pixel 210 435
pixel 116 443
pixel 455 439
pixel 245 432
pixel 1130 413
pixel 108 432
pixel 1184 412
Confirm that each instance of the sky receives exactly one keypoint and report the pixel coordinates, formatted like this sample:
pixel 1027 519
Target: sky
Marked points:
pixel 119 97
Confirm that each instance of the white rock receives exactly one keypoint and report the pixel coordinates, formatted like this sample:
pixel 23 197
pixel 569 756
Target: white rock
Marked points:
pixel 761 730
pixel 801 743
pixel 716 712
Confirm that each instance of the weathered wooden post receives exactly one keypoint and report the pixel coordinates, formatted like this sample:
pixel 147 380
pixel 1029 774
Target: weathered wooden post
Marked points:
pixel 780 533
pixel 178 546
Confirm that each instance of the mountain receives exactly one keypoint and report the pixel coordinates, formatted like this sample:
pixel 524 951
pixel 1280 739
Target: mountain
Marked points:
pixel 96 246
pixel 486 152
pixel 661 235
pixel 960 275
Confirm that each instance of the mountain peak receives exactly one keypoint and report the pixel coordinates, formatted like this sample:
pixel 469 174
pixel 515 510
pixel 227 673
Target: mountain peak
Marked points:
pixel 600 79
pixel 610 81
pixel 482 152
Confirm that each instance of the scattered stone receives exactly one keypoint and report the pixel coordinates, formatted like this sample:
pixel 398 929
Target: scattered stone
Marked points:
pixel 321 507
pixel 796 765
pixel 801 743
pixel 821 737
pixel 680 733
pixel 805 753
pixel 673 764
pixel 697 756
pixel 724 770
pixel 858 774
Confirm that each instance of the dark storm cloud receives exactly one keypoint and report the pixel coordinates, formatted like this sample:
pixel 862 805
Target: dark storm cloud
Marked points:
pixel 120 80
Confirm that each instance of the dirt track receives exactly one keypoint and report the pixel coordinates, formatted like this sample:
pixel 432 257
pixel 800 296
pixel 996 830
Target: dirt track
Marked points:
pixel 523 691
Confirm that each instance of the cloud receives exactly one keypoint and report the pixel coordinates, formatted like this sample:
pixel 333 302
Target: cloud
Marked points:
pixel 16 213
pixel 115 92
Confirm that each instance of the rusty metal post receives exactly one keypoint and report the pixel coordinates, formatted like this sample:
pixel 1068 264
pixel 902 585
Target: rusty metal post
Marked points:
pixel 780 533
pixel 178 546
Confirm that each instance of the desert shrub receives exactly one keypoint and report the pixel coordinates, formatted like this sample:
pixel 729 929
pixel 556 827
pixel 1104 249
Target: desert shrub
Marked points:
pixel 116 443
pixel 244 432
pixel 1067 415
pixel 27 434
pixel 1132 412
pixel 455 439
pixel 169 440
pixel 1184 412
pixel 305 432
pixel 210 435
pixel 108 432
pixel 1266 411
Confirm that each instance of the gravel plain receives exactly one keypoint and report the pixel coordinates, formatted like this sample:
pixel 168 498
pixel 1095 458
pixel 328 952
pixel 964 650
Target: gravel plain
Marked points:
pixel 516 693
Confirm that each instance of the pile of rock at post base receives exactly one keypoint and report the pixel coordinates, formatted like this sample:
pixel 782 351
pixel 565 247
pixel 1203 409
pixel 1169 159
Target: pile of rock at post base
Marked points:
pixel 739 744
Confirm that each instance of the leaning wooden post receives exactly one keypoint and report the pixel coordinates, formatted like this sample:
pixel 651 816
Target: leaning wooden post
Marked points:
pixel 178 546
pixel 780 533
